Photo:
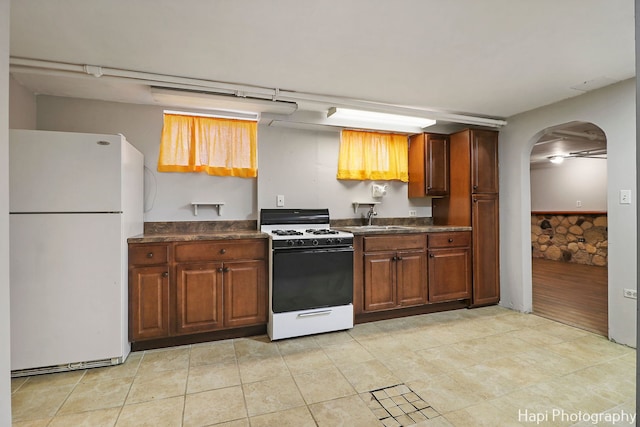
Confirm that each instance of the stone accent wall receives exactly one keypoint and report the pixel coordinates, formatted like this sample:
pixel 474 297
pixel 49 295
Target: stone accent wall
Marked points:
pixel 582 239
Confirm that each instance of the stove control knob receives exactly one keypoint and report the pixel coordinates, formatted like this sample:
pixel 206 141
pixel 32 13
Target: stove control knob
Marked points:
pixel 290 243
pixel 300 242
pixel 314 242
pixel 338 239
pixel 330 241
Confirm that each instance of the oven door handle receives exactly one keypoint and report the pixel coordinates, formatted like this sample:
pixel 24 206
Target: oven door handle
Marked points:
pixel 315 313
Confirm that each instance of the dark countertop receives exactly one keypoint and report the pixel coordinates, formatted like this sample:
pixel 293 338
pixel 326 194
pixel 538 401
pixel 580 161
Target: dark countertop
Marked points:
pixel 172 233
pixel 188 237
pixel 363 230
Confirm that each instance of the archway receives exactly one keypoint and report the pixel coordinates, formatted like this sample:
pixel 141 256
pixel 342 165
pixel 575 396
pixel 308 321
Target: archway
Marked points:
pixel 569 241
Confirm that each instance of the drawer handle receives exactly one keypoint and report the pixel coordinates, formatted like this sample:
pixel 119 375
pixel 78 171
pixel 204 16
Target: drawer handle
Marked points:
pixel 165 274
pixel 316 313
pixel 450 240
pixel 223 251
pixel 150 255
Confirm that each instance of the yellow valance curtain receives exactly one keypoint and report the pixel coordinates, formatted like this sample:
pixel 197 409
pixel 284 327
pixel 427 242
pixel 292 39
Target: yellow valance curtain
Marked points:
pixel 373 155
pixel 217 146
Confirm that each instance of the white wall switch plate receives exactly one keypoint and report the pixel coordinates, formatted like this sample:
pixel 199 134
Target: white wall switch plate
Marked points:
pixel 280 200
pixel 625 197
pixel 630 293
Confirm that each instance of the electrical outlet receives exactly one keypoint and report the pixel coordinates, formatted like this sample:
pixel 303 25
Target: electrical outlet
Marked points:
pixel 280 200
pixel 630 293
pixel 412 212
pixel 625 197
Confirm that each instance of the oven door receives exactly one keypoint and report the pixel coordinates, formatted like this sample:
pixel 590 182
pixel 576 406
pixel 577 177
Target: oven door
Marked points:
pixel 311 278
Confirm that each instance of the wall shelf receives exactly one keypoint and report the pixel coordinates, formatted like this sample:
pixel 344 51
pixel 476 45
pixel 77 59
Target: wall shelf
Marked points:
pixel 217 205
pixel 356 205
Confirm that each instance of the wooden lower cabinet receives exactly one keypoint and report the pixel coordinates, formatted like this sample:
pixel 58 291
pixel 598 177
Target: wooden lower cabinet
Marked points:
pixel 198 297
pixel 395 272
pixel 149 302
pixel 486 249
pixel 449 266
pixel 401 271
pixel 201 287
pixel 245 293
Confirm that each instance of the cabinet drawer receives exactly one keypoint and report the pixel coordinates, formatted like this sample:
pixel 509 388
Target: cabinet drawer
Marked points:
pixel 220 250
pixel 148 254
pixel 449 240
pixel 394 242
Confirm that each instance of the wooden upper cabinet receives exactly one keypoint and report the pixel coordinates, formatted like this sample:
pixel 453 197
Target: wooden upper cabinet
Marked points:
pixel 428 165
pixel 484 161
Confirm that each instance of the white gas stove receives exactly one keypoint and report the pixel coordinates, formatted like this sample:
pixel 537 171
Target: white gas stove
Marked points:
pixel 311 273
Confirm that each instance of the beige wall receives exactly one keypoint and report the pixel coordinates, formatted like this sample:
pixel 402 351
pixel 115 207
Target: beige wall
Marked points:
pixel 5 342
pixel 559 187
pixel 299 164
pixel 22 106
pixel 613 110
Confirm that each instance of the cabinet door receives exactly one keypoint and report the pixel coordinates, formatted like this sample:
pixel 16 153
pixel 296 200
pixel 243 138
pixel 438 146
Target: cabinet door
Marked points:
pixel 379 281
pixel 437 165
pixel 428 165
pixel 449 274
pixel 149 302
pixel 486 250
pixel 484 161
pixel 198 297
pixel 411 278
pixel 245 293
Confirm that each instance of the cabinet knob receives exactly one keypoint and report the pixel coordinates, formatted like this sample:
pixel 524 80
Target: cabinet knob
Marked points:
pixel 223 251
pixel 399 258
pixel 475 200
pixel 165 274
pixel 475 187
pixel 395 258
pixel 431 255
pixel 428 188
pixel 150 255
pixel 225 270
pixel 219 269
pixel 450 240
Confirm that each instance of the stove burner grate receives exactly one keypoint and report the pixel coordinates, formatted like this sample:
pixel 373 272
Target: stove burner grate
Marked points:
pixel 321 231
pixel 287 233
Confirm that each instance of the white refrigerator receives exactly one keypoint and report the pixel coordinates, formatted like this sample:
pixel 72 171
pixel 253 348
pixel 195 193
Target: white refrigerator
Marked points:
pixel 74 199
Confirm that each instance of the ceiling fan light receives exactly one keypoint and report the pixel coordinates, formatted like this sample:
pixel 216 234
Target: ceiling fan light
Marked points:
pixel 556 159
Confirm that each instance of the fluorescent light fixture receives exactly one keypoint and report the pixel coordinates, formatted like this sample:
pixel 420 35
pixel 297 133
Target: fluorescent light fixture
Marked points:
pixel 219 114
pixel 556 159
pixel 211 101
pixel 379 118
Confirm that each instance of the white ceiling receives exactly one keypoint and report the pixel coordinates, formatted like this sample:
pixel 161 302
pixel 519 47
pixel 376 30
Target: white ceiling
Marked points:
pixel 491 58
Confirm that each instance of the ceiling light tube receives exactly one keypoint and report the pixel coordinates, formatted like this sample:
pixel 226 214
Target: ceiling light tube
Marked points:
pixel 380 118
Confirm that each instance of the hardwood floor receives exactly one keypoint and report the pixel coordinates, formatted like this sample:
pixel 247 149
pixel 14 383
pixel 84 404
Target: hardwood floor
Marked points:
pixel 570 293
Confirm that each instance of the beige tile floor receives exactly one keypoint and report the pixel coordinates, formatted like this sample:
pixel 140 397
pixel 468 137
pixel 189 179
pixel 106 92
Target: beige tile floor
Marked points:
pixel 483 367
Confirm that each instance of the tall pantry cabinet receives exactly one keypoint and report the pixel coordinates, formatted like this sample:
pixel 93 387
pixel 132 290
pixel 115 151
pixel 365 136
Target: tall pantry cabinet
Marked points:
pixel 473 201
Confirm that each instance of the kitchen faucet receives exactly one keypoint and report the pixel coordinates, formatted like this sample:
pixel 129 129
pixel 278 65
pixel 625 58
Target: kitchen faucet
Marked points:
pixel 372 212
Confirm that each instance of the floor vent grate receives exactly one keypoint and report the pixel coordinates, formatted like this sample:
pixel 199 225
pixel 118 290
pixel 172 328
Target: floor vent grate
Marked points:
pixel 398 406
